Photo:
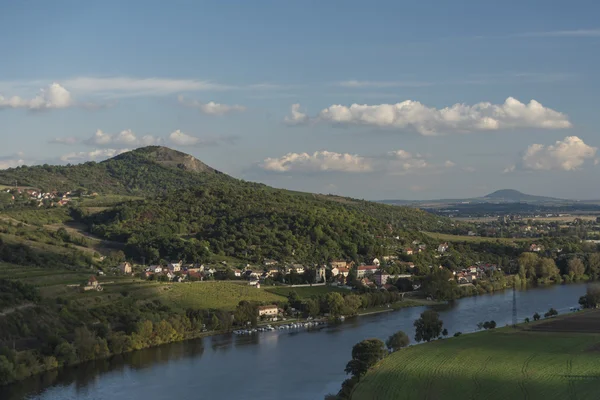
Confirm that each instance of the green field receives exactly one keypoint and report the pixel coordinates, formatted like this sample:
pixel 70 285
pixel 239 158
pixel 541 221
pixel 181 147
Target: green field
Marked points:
pixel 500 364
pixel 306 292
pixel 464 238
pixel 216 294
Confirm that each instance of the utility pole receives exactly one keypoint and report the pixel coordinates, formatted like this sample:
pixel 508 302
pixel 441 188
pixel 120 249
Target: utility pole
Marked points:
pixel 514 305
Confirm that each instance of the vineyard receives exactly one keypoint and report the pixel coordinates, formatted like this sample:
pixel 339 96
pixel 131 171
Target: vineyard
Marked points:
pixel 500 364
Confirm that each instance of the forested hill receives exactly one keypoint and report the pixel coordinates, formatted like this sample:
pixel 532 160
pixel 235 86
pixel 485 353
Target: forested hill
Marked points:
pixel 255 222
pixel 189 210
pixel 145 171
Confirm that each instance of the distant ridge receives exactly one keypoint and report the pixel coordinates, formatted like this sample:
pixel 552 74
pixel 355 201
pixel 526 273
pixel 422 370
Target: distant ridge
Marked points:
pixel 511 195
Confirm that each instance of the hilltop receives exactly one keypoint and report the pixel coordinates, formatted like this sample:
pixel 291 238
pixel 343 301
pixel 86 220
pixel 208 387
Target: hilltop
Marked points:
pixel 511 195
pixel 144 171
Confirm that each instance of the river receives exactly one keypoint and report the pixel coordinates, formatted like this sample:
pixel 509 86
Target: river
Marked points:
pixel 284 364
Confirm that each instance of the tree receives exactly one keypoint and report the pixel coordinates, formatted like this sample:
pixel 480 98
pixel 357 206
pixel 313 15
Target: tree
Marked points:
pixel 546 269
pixel 335 303
pixel 593 266
pixel 551 313
pixel 576 268
pixel 428 326
pixel 7 370
pixel 527 265
pixel 536 317
pixel 592 297
pixel 445 332
pixel 397 341
pixel 365 354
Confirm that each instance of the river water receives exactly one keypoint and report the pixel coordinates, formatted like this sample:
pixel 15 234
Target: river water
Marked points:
pixel 284 364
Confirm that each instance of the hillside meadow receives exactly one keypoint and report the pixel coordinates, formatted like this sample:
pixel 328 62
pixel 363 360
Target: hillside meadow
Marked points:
pixel 506 363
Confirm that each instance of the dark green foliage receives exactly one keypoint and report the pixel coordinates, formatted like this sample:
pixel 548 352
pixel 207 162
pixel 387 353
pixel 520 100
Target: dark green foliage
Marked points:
pixel 365 354
pixel 592 297
pixel 148 170
pixel 397 341
pixel 536 317
pixel 550 313
pixel 14 293
pixel 428 326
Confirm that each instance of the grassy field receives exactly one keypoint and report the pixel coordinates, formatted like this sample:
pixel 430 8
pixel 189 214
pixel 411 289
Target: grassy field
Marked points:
pixel 305 292
pixel 499 364
pixel 216 294
pixel 464 238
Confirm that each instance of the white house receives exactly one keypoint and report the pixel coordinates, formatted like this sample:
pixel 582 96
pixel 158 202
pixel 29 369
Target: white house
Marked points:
pixel 156 268
pixel 125 268
pixel 365 269
pixel 270 311
pixel 442 248
pixel 335 271
pixel 376 262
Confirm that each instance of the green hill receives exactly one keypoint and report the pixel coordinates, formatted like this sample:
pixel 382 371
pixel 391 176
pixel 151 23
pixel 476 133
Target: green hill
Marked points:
pixel 189 210
pixel 144 171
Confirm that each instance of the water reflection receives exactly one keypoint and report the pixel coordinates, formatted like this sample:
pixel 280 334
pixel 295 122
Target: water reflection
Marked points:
pixel 299 363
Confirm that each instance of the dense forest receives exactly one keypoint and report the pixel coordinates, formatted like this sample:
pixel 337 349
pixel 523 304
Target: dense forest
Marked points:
pixel 246 221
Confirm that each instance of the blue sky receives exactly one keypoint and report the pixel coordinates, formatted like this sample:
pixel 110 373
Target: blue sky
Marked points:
pixel 393 99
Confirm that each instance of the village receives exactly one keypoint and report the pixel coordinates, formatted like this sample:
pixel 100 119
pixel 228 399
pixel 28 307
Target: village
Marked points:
pixel 40 198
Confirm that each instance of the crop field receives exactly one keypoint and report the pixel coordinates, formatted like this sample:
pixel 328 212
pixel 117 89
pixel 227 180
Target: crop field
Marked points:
pixel 499 364
pixel 464 238
pixel 215 295
pixel 588 321
pixel 305 292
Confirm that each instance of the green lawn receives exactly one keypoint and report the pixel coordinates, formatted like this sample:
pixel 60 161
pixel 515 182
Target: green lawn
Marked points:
pixel 216 294
pixel 464 238
pixel 305 292
pixel 500 364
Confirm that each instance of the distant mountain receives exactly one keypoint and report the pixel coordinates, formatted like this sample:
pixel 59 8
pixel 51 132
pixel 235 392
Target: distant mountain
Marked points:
pixel 499 196
pixel 144 171
pixel 511 195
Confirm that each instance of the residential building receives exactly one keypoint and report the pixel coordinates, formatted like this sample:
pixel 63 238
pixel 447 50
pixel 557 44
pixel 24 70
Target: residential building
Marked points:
pixel 269 262
pixel 270 311
pixel 237 272
pixel 320 275
pixel 343 271
pixel 125 268
pixel 376 262
pixel 335 271
pixel 299 268
pixel 365 270
pixel 338 264
pixel 442 248
pixel 408 251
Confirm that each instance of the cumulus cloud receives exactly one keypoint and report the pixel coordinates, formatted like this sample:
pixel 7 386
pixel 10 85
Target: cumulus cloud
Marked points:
pixel 94 155
pixel 296 117
pixel 125 138
pixel 211 108
pixel 316 162
pixel 54 96
pixel 458 118
pixel 567 155
pixel 398 162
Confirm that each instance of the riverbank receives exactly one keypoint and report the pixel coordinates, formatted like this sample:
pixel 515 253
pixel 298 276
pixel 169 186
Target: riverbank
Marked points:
pixel 319 355
pixel 537 360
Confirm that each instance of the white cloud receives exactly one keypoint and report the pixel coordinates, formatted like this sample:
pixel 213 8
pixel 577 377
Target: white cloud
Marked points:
pixel 94 155
pixel 459 118
pixel 567 155
pixel 182 139
pixel 449 164
pixel 296 117
pixel 64 140
pixel 317 162
pixel 567 33
pixel 381 84
pixel 126 138
pixel 11 161
pixel 54 96
pixel 398 162
pixel 211 108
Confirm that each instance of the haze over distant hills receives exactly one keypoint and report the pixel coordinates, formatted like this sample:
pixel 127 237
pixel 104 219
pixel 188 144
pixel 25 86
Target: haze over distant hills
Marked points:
pixel 499 196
